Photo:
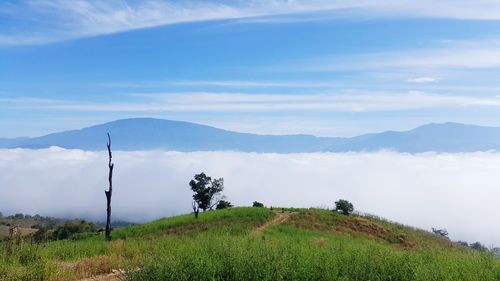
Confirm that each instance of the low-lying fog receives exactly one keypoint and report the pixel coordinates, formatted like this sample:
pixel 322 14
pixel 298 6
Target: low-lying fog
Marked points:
pixel 458 192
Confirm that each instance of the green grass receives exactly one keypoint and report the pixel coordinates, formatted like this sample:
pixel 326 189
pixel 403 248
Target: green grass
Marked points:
pixel 286 254
pixel 310 245
pixel 239 218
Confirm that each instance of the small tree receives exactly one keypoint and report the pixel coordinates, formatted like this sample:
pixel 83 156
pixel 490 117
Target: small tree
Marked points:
pixel 73 227
pixel 41 235
pixel 257 204
pixel 207 192
pixel 478 246
pixel 223 204
pixel 440 232
pixel 18 216
pixel 344 206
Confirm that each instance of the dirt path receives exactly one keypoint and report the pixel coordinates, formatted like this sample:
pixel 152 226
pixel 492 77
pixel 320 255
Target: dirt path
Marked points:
pixel 114 276
pixel 282 217
pixel 118 276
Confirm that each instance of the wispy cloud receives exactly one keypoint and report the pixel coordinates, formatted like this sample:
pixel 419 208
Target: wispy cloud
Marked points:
pixel 422 80
pixel 347 101
pixel 479 54
pixel 41 21
pixel 49 21
pixel 220 83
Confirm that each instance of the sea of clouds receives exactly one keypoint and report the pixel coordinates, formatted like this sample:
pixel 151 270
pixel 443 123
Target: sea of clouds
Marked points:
pixel 459 192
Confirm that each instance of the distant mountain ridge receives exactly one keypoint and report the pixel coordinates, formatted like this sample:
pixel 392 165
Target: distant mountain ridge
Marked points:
pixel 447 137
pixel 150 134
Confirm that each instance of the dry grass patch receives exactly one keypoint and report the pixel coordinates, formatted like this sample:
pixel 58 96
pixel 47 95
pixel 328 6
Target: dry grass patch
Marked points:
pixel 96 265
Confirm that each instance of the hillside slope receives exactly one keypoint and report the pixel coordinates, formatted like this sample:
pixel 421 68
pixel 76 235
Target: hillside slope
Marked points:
pixel 255 244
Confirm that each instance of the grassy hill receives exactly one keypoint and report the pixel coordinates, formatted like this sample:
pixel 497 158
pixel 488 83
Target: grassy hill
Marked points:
pixel 254 244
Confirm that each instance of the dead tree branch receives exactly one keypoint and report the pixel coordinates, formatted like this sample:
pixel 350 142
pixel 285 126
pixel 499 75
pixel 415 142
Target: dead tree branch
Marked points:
pixel 109 192
pixel 196 209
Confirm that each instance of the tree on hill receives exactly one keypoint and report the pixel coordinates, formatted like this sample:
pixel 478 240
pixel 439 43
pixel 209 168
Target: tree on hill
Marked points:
pixel 440 232
pixel 72 227
pixel 478 246
pixel 223 204
pixel 18 216
pixel 344 206
pixel 41 235
pixel 257 204
pixel 207 192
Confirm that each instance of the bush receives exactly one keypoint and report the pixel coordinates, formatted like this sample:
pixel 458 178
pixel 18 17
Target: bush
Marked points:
pixel 223 205
pixel 344 206
pixel 478 246
pixel 41 235
pixel 73 227
pixel 257 204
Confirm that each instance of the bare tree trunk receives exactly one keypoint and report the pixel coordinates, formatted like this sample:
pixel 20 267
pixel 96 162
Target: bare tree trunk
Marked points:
pixel 109 192
pixel 196 209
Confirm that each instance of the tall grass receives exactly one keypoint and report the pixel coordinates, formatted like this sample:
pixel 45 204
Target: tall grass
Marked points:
pixel 288 253
pixel 218 246
pixel 245 217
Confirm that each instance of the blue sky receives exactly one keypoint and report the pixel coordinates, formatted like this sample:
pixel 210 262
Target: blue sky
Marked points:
pixel 329 68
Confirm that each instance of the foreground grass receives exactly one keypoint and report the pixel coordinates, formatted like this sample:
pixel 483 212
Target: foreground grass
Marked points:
pixel 311 245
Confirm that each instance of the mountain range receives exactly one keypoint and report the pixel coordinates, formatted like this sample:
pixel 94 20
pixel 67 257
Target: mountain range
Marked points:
pixel 150 134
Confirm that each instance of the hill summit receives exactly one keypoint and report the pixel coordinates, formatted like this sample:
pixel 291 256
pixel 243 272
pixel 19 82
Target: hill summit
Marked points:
pixel 254 243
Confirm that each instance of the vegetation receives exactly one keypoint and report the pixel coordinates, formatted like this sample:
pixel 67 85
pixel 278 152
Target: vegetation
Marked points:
pixel 70 228
pixel 206 192
pixel 305 244
pixel 478 246
pixel 257 204
pixel 223 204
pixel 28 224
pixel 440 232
pixel 344 206
pixel 29 221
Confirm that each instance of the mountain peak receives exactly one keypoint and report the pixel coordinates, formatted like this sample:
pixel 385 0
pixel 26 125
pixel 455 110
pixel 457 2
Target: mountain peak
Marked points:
pixel 150 133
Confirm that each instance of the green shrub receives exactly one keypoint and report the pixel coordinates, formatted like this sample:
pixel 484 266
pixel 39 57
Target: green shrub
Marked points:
pixel 344 206
pixel 223 205
pixel 72 227
pixel 257 204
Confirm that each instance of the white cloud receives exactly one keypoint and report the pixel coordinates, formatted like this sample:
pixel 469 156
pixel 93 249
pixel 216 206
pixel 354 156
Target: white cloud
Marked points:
pixel 423 190
pixel 347 101
pixel 41 21
pixel 481 54
pixel 62 20
pixel 220 83
pixel 421 80
pixel 462 55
